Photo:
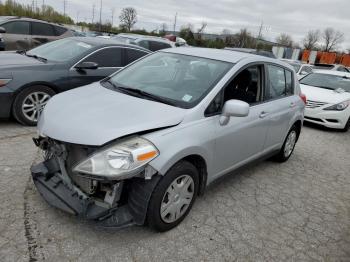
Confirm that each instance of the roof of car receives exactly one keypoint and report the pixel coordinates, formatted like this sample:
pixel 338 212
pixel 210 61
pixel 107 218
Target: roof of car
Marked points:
pixel 10 18
pixel 331 72
pixel 216 54
pixel 98 41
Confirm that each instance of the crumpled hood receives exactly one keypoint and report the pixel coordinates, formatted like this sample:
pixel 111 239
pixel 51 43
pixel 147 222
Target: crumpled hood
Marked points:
pixel 323 95
pixel 94 115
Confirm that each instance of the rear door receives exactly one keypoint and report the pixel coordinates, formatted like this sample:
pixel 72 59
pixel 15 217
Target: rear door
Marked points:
pixel 17 36
pixel 42 33
pixel 280 104
pixel 109 60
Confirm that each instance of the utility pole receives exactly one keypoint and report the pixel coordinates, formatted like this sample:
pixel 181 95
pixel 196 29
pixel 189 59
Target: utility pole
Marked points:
pixel 113 11
pixel 64 7
pixel 93 13
pixel 77 16
pixel 100 15
pixel 175 22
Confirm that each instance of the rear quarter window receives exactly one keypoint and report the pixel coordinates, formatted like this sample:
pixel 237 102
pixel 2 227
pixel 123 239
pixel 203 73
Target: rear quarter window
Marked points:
pixel 60 30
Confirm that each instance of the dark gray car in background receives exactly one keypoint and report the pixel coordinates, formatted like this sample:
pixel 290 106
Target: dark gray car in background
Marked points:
pixel 29 79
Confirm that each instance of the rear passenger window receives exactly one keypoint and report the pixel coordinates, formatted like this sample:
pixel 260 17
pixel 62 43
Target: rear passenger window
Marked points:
pixel 17 27
pixel 42 29
pixel 60 30
pixel 108 57
pixel 155 46
pixel 132 55
pixel 280 82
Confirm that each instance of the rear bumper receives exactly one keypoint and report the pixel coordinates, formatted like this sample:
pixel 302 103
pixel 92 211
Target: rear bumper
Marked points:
pixel 330 119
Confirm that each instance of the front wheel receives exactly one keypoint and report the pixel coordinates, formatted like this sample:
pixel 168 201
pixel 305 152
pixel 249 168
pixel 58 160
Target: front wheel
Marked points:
pixel 29 103
pixel 173 197
pixel 288 145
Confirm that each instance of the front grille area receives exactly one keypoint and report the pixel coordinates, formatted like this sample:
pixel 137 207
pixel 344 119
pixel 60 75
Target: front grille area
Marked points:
pixel 313 119
pixel 314 104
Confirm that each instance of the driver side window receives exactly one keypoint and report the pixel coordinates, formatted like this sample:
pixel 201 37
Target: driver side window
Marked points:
pixel 246 86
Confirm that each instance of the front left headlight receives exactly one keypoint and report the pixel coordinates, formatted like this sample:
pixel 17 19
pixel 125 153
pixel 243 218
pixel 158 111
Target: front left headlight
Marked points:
pixel 339 107
pixel 121 160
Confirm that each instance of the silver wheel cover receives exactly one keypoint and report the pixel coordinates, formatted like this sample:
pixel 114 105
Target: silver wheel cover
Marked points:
pixel 290 143
pixel 177 199
pixel 33 105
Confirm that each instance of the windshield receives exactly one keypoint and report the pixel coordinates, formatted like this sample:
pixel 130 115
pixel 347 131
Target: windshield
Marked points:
pixel 183 80
pixel 327 81
pixel 295 66
pixel 61 50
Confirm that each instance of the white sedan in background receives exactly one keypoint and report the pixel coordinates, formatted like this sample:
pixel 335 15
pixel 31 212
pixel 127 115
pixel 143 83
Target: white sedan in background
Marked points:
pixel 299 68
pixel 328 98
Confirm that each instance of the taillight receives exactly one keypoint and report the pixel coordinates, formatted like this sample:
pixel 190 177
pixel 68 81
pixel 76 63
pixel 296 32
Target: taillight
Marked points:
pixel 303 97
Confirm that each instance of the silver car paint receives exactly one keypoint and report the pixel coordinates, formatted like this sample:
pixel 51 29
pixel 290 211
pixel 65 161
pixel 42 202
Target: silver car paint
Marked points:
pixel 94 115
pixel 223 147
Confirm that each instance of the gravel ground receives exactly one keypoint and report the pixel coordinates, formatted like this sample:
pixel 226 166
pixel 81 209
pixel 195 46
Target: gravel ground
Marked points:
pixel 296 211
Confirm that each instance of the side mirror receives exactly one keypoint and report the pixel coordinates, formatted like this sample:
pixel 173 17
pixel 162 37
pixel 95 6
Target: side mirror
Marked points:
pixel 2 30
pixel 86 65
pixel 235 108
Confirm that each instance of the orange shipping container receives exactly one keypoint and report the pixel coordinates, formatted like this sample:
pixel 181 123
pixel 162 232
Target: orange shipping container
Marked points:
pixel 328 58
pixel 305 56
pixel 345 60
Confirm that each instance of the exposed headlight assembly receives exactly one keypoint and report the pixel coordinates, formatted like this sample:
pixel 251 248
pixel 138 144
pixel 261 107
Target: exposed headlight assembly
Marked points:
pixel 339 107
pixel 4 81
pixel 119 161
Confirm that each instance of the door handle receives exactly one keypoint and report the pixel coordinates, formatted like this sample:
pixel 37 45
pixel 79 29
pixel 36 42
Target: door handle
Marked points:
pixel 263 114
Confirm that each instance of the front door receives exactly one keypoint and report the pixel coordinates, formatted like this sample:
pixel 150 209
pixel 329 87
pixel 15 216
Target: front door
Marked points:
pixel 109 61
pixel 243 138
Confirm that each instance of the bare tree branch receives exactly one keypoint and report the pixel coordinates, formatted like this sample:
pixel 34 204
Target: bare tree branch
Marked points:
pixel 332 39
pixel 284 40
pixel 311 39
pixel 128 18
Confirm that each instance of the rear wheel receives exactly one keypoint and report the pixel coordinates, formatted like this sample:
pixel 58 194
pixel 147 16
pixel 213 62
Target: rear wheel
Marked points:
pixel 173 197
pixel 29 103
pixel 288 145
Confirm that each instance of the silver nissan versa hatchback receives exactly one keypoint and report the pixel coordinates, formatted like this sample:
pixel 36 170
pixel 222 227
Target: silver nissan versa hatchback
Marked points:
pixel 139 146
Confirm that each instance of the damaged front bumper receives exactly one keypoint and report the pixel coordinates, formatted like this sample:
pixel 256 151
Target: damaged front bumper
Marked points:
pixel 67 197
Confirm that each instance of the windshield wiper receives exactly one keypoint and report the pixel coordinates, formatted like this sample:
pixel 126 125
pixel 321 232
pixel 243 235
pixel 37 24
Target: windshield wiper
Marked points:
pixel 141 93
pixel 36 57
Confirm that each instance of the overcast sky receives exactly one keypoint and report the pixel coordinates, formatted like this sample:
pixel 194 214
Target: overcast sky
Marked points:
pixel 294 17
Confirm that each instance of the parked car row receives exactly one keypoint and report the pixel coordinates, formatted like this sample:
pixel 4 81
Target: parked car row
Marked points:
pixel 29 79
pixel 110 150
pixel 18 33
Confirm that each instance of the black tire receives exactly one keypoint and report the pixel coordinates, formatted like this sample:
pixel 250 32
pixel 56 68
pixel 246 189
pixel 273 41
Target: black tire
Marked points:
pixel 347 126
pixel 20 99
pixel 154 218
pixel 281 156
